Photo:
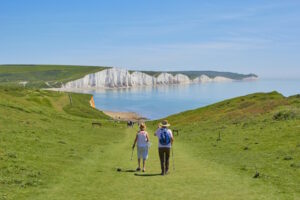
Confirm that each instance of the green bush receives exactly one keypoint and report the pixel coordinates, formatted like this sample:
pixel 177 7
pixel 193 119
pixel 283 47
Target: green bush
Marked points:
pixel 285 115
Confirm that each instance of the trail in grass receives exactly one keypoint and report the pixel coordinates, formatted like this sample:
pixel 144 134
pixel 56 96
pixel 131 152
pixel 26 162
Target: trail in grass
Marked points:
pixel 96 177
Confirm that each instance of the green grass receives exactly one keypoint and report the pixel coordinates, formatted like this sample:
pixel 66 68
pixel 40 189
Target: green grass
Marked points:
pixel 49 150
pixel 255 133
pixel 43 76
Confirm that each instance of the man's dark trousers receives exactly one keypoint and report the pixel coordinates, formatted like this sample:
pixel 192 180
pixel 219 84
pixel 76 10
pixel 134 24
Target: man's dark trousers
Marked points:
pixel 164 155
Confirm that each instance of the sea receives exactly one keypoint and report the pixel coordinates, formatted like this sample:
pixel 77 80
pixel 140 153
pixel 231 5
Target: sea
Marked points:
pixel 161 101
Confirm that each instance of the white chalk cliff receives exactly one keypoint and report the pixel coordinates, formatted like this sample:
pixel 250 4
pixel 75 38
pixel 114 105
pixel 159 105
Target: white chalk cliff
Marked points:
pixel 120 78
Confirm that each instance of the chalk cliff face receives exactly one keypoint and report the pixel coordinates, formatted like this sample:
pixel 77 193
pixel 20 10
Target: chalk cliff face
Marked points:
pixel 119 78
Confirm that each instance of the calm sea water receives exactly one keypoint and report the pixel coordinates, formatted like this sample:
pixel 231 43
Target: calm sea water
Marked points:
pixel 161 101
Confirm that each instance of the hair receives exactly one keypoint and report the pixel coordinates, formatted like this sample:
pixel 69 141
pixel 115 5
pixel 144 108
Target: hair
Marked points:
pixel 142 126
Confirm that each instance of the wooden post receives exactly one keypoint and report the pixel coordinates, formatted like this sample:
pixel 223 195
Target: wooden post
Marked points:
pixel 219 138
pixel 175 131
pixel 70 97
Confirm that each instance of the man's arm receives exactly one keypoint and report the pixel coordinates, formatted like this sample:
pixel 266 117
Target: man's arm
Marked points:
pixel 158 127
pixel 172 137
pixel 155 133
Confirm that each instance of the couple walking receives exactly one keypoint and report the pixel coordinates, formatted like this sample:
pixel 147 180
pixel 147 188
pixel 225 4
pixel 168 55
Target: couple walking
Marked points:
pixel 165 141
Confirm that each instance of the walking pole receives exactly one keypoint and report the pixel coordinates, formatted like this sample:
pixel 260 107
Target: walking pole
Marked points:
pixel 132 153
pixel 173 158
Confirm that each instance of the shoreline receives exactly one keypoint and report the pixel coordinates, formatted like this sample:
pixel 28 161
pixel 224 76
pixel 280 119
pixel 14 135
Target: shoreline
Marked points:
pixel 121 116
pixel 124 116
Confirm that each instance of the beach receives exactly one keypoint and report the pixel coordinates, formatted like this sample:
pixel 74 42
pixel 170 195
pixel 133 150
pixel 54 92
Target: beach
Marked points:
pixel 122 116
pixel 125 116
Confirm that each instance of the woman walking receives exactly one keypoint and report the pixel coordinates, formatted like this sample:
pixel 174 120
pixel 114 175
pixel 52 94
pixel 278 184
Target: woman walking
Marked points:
pixel 142 141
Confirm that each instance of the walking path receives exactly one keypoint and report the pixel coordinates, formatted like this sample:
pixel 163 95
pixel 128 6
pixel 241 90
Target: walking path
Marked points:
pixel 96 177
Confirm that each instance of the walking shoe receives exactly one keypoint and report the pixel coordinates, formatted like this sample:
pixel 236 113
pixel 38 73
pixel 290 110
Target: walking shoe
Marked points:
pixel 162 173
pixel 138 169
pixel 144 170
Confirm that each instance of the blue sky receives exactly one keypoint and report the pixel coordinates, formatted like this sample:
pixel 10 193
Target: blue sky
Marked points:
pixel 259 36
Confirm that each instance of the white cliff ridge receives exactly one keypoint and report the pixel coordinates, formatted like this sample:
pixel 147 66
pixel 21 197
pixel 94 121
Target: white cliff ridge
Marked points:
pixel 120 78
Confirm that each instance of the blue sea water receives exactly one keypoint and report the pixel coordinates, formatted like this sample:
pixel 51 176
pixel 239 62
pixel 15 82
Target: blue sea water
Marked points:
pixel 161 101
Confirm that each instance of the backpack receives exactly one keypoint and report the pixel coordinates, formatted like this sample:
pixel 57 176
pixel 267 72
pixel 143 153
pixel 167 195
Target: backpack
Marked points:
pixel 164 137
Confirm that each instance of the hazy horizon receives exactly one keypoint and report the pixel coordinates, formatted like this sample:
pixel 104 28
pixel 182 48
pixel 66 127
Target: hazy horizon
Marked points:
pixel 157 70
pixel 260 37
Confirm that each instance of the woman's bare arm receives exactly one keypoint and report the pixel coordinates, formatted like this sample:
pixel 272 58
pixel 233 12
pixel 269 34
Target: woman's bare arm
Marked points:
pixel 136 137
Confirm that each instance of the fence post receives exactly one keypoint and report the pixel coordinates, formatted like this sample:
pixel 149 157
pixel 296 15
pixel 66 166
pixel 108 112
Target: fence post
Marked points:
pixel 70 97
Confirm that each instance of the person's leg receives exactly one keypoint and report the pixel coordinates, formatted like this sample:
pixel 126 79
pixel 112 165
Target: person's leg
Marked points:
pixel 167 152
pixel 139 163
pixel 144 165
pixel 145 157
pixel 139 158
pixel 161 158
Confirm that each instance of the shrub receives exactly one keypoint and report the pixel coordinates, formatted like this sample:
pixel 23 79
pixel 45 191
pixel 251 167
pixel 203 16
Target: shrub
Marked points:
pixel 285 115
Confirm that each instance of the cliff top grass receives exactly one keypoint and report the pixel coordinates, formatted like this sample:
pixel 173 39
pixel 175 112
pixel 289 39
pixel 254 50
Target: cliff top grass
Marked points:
pixel 43 76
pixel 50 150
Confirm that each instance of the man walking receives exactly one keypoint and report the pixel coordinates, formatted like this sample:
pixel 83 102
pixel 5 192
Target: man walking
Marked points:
pixel 165 141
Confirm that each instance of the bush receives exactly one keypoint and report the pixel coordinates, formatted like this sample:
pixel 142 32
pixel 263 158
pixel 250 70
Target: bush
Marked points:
pixel 285 115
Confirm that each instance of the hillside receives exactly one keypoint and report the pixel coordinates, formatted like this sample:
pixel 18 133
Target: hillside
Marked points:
pixel 43 76
pixel 41 135
pixel 257 133
pixel 50 150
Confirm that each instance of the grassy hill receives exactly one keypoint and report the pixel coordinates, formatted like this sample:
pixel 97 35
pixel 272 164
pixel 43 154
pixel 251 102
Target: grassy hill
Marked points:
pixel 43 76
pixel 253 134
pixel 41 136
pixel 50 150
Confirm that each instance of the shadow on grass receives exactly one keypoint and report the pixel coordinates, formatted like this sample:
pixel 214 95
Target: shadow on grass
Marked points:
pixel 129 170
pixel 137 174
pixel 146 175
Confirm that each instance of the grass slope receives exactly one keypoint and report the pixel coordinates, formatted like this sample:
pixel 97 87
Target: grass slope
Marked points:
pixel 255 133
pixel 49 150
pixel 43 75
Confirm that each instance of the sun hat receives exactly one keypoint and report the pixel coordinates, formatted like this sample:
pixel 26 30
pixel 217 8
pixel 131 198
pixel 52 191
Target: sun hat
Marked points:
pixel 164 123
